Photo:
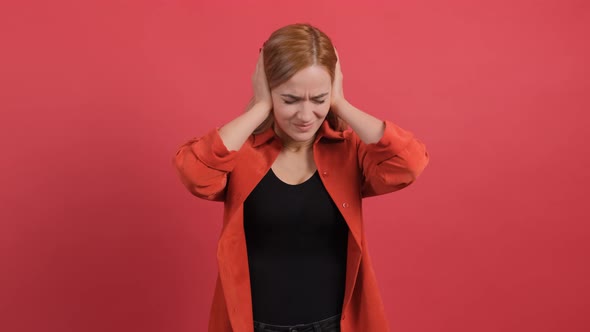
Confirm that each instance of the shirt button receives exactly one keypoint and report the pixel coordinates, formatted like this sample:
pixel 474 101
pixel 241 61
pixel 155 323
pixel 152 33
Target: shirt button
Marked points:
pixel 325 173
pixel 345 205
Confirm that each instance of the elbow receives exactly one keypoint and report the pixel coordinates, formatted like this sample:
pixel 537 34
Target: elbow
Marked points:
pixel 400 174
pixel 210 188
pixel 398 181
pixel 211 193
pixel 414 160
pixel 199 179
pixel 417 166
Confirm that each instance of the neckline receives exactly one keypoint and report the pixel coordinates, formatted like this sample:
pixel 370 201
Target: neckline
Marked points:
pixel 293 185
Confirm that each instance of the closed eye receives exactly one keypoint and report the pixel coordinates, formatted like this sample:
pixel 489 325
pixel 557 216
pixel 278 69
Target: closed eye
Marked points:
pixel 289 102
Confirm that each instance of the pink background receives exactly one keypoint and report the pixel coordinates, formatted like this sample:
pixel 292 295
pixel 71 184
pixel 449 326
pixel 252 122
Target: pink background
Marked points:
pixel 98 234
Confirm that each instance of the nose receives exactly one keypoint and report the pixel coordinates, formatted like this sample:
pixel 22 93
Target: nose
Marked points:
pixel 305 113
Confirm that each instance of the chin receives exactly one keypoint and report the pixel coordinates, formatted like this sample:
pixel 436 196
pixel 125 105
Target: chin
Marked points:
pixel 300 137
pixel 297 135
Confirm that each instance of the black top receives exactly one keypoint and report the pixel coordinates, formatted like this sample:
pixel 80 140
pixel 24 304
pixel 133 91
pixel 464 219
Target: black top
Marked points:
pixel 297 244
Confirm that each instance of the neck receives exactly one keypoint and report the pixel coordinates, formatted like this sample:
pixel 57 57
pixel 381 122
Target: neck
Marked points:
pixel 292 145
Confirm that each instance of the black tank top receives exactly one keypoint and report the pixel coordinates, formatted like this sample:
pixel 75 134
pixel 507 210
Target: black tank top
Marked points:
pixel 297 244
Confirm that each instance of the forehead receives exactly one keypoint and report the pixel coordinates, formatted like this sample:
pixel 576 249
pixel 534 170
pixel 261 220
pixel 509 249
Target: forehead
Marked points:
pixel 312 78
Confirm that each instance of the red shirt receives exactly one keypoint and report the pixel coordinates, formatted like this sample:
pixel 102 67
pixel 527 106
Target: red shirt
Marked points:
pixel 349 169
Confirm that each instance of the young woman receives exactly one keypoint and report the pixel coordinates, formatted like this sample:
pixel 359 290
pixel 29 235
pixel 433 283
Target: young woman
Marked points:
pixel 292 252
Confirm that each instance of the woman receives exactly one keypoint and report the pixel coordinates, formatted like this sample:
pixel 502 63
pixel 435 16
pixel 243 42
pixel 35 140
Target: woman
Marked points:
pixel 292 252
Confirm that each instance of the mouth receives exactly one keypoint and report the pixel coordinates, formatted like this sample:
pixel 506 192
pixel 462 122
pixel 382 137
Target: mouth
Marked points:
pixel 304 126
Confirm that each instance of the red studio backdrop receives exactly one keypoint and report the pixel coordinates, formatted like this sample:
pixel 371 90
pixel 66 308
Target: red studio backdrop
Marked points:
pixel 98 234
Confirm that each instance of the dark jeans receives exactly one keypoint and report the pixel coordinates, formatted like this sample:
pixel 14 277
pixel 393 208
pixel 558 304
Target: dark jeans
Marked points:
pixel 331 324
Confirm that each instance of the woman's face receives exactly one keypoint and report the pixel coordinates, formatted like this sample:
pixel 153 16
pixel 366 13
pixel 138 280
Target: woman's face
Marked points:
pixel 301 104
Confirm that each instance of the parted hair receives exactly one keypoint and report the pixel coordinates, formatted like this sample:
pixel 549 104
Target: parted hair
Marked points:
pixel 293 48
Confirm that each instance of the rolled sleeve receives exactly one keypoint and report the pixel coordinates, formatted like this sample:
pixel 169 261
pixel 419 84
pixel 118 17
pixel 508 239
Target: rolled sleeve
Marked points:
pixel 211 151
pixel 392 163
pixel 203 165
pixel 394 140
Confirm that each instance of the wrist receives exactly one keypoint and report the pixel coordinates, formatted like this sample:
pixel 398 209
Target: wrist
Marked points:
pixel 262 108
pixel 340 106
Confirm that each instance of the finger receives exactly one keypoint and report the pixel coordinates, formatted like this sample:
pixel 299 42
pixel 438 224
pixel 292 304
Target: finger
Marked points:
pixel 338 65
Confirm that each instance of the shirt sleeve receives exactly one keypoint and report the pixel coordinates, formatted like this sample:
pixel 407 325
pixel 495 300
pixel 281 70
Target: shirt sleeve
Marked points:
pixel 203 165
pixel 392 163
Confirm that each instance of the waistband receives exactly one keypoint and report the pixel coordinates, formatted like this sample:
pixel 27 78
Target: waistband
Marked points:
pixel 299 327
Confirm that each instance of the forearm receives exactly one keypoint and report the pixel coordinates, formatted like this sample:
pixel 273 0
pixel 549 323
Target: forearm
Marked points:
pixel 236 132
pixel 367 127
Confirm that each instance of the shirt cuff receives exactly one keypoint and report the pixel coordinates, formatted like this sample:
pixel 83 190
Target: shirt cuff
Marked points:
pixel 211 151
pixel 394 140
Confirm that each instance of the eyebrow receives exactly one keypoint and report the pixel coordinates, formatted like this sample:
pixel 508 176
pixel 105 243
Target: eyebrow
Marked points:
pixel 299 98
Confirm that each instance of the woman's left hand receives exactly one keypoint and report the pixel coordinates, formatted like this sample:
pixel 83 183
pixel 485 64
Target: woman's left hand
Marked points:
pixel 337 92
pixel 369 128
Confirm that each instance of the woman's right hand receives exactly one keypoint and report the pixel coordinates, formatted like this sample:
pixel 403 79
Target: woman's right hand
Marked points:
pixel 236 132
pixel 260 85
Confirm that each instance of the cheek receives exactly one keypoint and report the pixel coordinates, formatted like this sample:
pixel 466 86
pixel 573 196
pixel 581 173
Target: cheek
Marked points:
pixel 275 103
pixel 277 106
pixel 281 112
pixel 323 109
